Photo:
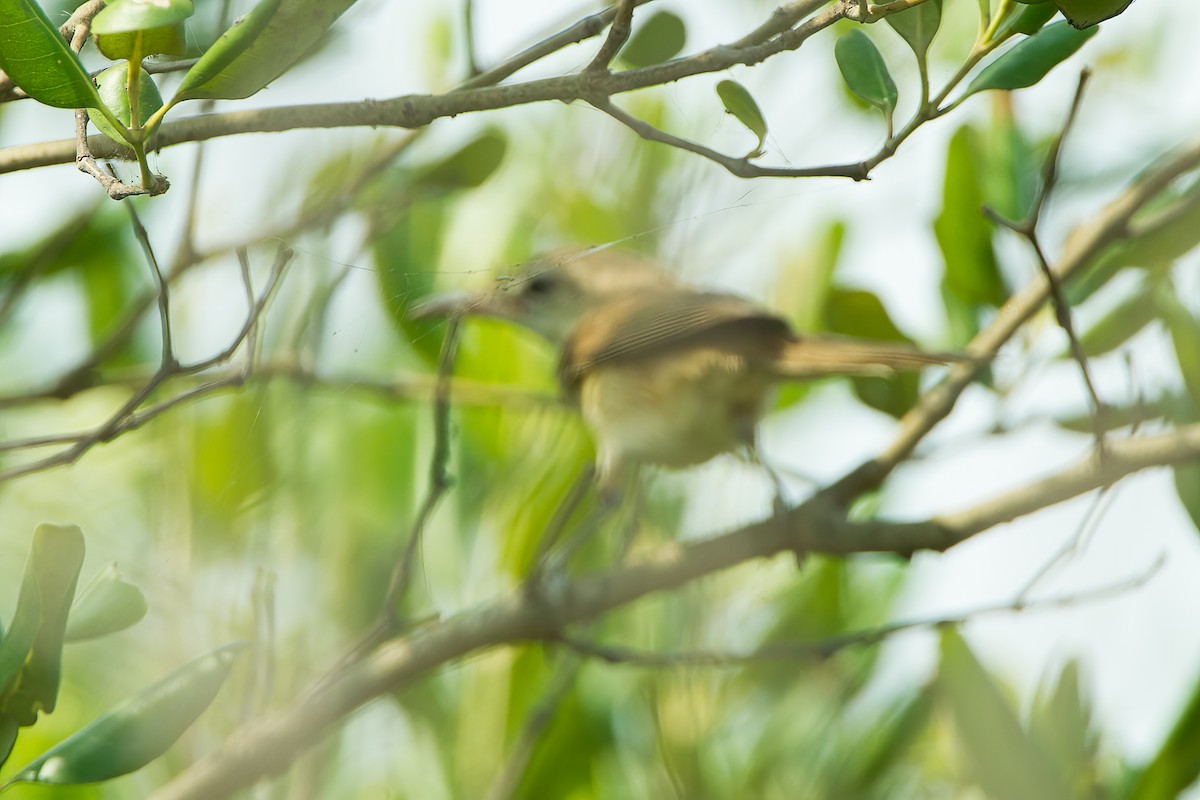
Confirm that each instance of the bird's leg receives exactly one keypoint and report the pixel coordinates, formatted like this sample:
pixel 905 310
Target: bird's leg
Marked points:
pixel 748 434
pixel 562 514
pixel 613 487
pixel 534 585
pixel 554 560
pixel 779 504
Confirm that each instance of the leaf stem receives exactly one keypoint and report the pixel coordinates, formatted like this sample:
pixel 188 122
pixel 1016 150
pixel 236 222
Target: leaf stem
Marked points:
pixel 1002 11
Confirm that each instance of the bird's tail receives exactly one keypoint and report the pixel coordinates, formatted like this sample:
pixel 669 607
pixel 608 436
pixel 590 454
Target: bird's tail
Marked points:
pixel 814 357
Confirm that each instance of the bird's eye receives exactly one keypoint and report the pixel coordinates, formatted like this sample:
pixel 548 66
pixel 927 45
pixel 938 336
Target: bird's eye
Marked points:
pixel 539 284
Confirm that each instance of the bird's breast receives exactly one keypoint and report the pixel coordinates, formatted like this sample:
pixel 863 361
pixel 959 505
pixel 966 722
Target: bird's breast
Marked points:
pixel 676 409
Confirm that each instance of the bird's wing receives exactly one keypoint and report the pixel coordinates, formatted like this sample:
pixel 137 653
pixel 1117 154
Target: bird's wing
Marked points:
pixel 643 324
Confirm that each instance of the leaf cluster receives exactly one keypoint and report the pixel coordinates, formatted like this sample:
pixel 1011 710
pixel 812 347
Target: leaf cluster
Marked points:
pixel 49 615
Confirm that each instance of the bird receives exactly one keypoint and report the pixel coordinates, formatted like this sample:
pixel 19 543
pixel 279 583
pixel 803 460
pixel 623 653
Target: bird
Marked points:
pixel 662 372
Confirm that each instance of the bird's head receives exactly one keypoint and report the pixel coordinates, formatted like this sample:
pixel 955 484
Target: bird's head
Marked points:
pixel 550 293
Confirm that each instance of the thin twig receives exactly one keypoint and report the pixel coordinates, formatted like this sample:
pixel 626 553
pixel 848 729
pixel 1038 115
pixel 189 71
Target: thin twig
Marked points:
pixel 781 19
pixel 162 295
pixel 1062 314
pixel 439 478
pixel 617 36
pixel 739 166
pixel 469 37
pixel 790 13
pixel 585 28
pixel 411 388
pixel 131 414
pixel 478 94
pixel 84 160
pixel 1102 228
pixel 283 257
pixel 824 648
pixel 388 621
pixel 252 330
pixel 1100 503
pixel 1027 229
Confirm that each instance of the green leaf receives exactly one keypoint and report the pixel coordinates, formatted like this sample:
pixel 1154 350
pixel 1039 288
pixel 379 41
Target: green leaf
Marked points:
pixel 1030 20
pixel 1121 323
pixel 213 74
pixel 1168 228
pixel 804 279
pixel 37 59
pixel 1176 765
pixel 113 85
pixel 864 70
pixel 1060 724
pixel 135 46
pixel 137 731
pixel 739 102
pixel 259 48
pixel 31 654
pixel 107 604
pixel 220 474
pixel 468 168
pixel 133 29
pixel 1187 486
pixel 855 312
pixel 1115 417
pixel 1006 763
pixel 1184 409
pixel 658 39
pixel 1009 168
pixel 9 728
pixel 972 275
pixel 883 745
pixel 128 16
pixel 406 253
pixel 1031 59
pixel 1176 235
pixel 1185 335
pixel 971 281
pixel 1086 13
pixel 918 25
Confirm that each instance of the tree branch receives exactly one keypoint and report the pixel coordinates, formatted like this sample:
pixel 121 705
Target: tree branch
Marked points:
pixel 1083 245
pixel 1027 229
pixel 267 746
pixel 439 480
pixel 617 36
pixel 824 648
pixel 415 111
pixel 131 414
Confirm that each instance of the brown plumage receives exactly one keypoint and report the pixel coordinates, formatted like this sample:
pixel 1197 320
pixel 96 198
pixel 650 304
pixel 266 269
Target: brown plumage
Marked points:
pixel 664 373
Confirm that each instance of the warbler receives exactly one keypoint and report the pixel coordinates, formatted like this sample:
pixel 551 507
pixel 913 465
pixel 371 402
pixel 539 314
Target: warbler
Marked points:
pixel 662 372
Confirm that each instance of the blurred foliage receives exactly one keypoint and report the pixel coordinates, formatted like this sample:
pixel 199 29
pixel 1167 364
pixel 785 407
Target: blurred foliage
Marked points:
pixel 275 511
pixel 658 39
pixel 48 614
pixel 971 283
pixel 856 312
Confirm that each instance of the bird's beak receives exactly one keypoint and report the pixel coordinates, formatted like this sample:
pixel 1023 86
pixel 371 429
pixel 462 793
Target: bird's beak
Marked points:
pixel 456 304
